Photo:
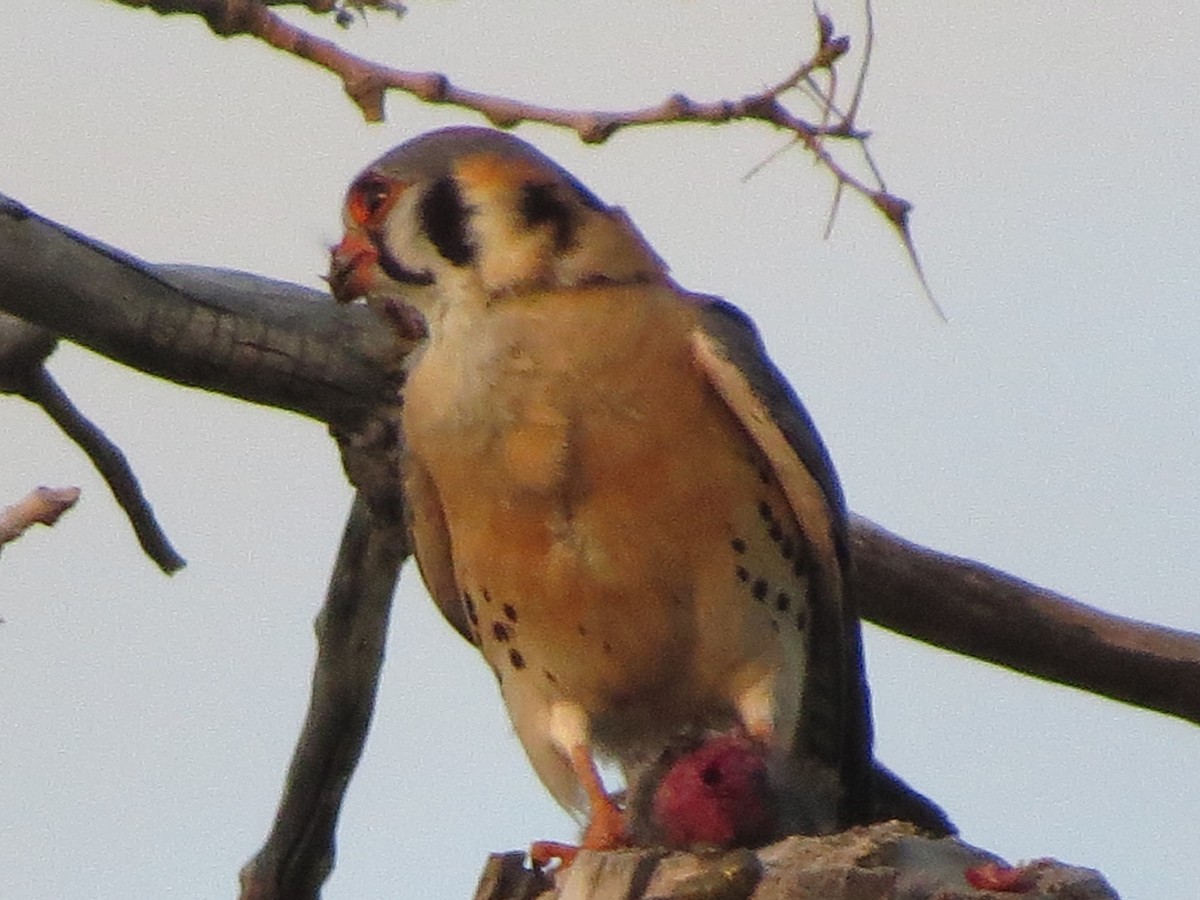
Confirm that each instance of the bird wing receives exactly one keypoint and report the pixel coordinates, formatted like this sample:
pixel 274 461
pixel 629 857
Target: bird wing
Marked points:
pixel 835 718
pixel 431 547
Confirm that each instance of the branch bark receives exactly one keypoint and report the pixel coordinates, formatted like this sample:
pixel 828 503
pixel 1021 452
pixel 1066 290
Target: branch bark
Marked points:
pixel 979 611
pixel 351 628
pixel 244 336
pixel 366 82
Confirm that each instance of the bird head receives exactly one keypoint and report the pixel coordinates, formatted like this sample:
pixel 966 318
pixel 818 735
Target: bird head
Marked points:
pixel 474 212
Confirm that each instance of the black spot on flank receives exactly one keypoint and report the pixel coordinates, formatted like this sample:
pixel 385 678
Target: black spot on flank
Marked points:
pixel 501 632
pixel 764 510
pixel 469 606
pixel 583 632
pixel 487 598
pixel 517 660
pixel 711 775
pixel 759 589
pixel 801 618
pixel 540 205
pixel 607 647
pixel 798 566
pixel 444 218
pixel 738 545
pixel 510 612
pixel 764 475
pixel 776 532
pixel 742 574
pixel 549 676
pixel 782 601
pixel 787 548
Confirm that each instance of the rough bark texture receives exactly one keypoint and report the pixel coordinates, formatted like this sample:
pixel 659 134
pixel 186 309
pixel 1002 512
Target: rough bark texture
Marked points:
pixel 249 337
pixel 888 861
pixel 351 628
pixel 978 611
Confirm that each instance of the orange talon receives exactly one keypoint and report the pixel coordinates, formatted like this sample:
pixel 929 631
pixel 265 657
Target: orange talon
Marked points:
pixel 606 821
pixel 605 829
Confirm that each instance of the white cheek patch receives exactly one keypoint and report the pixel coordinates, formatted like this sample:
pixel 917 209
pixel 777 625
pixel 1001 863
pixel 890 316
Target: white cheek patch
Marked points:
pixel 404 239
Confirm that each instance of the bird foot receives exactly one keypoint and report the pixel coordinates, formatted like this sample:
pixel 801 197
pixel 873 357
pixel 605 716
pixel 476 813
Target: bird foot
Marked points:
pixel 606 828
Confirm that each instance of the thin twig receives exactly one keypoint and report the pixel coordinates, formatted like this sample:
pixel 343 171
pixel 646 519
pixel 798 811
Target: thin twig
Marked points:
pixel 366 82
pixel 112 465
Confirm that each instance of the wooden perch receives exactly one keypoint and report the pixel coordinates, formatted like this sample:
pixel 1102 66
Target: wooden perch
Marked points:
pixel 877 862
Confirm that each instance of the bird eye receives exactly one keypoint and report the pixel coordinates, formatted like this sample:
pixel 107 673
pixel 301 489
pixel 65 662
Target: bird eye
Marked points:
pixel 370 197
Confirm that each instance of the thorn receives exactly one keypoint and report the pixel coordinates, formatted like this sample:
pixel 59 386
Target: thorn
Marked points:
pixel 896 210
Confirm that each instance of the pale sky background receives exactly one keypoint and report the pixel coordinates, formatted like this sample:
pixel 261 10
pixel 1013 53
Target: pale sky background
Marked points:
pixel 1049 429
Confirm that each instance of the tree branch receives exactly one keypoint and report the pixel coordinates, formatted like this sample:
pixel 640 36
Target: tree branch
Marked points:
pixel 24 349
pixel 978 611
pixel 113 467
pixel 244 336
pixel 366 82
pixel 351 629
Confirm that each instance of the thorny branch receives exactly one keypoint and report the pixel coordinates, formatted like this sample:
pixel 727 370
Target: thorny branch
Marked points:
pixel 367 82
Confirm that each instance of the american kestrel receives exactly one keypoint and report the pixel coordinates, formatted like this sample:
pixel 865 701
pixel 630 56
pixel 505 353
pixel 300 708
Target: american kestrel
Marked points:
pixel 614 494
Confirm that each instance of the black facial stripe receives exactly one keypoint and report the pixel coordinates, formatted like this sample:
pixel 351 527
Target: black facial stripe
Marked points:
pixel 541 204
pixel 396 271
pixel 443 216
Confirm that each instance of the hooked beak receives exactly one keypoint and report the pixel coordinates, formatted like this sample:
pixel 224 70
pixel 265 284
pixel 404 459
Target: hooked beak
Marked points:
pixel 353 266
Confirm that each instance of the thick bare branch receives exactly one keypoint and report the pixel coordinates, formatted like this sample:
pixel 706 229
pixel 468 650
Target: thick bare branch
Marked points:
pixel 266 341
pixel 23 349
pixel 351 627
pixel 978 611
